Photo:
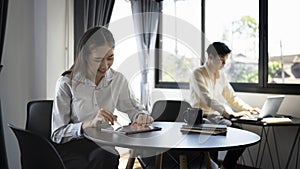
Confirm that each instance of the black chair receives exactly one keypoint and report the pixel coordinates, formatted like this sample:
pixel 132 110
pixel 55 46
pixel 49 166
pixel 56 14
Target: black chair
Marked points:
pixel 39 117
pixel 171 111
pixel 38 122
pixel 36 151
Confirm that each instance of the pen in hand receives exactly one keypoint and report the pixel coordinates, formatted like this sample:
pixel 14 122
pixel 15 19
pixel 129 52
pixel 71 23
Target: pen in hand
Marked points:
pixel 121 126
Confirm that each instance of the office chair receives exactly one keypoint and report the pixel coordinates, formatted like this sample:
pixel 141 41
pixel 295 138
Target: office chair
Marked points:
pixel 39 117
pixel 171 111
pixel 36 151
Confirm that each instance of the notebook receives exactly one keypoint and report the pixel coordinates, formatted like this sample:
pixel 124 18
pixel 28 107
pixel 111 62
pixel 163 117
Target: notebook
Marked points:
pixel 212 129
pixel 269 108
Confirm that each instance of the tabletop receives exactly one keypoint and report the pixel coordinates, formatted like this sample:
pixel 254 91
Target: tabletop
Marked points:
pixel 293 122
pixel 170 137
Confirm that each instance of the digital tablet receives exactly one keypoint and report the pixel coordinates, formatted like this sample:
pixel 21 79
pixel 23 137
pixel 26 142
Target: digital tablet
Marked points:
pixel 128 129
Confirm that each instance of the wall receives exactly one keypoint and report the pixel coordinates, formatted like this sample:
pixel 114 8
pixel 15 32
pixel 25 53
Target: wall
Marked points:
pixel 16 79
pixel 289 105
pixel 34 56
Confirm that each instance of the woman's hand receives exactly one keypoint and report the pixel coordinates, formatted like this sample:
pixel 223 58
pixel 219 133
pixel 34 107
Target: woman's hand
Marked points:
pixel 103 116
pixel 143 120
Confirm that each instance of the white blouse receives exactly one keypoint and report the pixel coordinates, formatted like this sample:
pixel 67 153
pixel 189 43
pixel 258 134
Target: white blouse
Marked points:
pixel 76 102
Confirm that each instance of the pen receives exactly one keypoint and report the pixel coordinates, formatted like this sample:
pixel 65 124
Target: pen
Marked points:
pixel 121 126
pixel 101 109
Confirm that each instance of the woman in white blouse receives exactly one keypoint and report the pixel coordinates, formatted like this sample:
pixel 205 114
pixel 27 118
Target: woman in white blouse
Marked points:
pixel 85 96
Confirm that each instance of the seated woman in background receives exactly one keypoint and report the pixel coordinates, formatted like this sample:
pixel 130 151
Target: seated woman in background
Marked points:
pixel 85 96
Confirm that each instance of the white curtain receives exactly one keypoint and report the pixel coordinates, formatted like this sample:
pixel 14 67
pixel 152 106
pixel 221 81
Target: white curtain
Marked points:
pixel 146 15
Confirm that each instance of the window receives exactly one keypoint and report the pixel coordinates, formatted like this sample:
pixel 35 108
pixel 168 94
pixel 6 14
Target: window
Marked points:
pixel 126 52
pixel 264 57
pixel 238 28
pixel 283 42
pixel 181 39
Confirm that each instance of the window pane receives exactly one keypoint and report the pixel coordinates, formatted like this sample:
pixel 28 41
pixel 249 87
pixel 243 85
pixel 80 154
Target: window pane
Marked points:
pixel 235 23
pixel 181 39
pixel 283 44
pixel 125 51
pixel 122 15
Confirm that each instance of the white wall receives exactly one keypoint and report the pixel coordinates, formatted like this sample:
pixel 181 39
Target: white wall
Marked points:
pixel 34 56
pixel 289 106
pixel 16 77
pixel 56 58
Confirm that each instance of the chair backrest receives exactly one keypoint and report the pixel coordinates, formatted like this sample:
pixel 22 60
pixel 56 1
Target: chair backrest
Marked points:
pixel 36 151
pixel 169 110
pixel 39 117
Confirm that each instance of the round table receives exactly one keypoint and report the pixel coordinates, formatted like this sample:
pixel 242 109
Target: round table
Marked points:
pixel 170 137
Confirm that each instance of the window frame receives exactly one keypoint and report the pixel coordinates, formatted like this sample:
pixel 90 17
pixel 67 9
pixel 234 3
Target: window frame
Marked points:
pixel 261 87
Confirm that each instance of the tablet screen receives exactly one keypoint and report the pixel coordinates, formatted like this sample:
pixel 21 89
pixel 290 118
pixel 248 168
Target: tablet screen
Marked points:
pixel 129 129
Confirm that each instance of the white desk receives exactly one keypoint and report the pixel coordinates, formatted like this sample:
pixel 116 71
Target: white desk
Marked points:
pixel 170 137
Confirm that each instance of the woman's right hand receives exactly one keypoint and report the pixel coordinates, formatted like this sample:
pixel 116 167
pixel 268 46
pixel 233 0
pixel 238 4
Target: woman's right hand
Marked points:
pixel 103 116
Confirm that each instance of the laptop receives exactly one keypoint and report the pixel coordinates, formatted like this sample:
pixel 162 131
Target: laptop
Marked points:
pixel 269 108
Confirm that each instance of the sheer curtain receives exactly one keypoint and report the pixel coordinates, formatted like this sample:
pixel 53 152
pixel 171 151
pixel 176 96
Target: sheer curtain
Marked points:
pixel 3 15
pixel 89 13
pixel 146 15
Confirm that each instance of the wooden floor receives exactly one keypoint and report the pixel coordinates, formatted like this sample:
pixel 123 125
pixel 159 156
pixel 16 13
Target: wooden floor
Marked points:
pixel 123 162
pixel 124 159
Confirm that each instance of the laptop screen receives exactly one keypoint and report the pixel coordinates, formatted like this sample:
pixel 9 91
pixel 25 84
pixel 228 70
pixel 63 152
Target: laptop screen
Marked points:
pixel 271 106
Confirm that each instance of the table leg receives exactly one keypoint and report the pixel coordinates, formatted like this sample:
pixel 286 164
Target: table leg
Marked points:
pixel 131 160
pixel 158 161
pixel 269 149
pixel 207 160
pixel 183 161
pixel 265 133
